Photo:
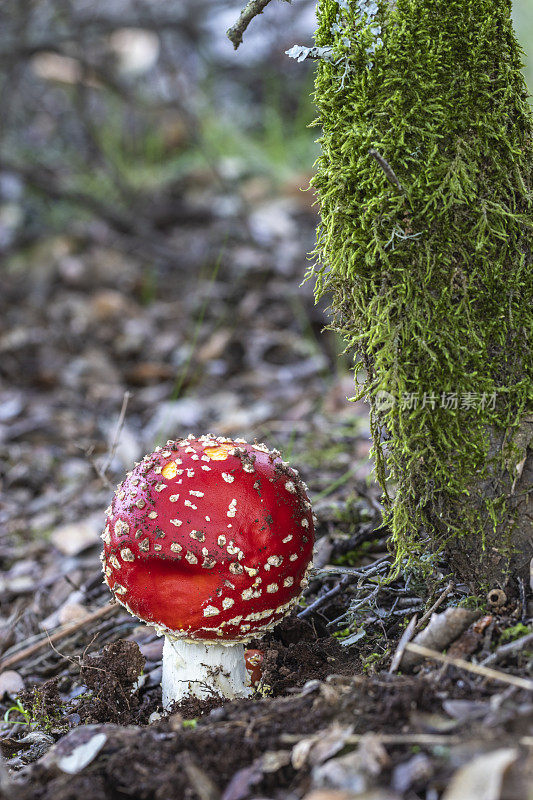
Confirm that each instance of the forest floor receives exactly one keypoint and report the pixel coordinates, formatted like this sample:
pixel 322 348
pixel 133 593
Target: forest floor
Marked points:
pixel 225 341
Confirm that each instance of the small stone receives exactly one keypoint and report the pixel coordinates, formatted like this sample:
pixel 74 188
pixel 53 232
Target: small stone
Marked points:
pixel 71 612
pixel 75 537
pixel 11 683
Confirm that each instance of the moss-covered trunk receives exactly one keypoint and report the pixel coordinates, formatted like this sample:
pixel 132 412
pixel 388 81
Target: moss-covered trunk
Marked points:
pixel 425 248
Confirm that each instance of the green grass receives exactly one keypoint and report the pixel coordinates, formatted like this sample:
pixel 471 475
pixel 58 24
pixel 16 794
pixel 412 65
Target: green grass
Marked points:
pixel 278 146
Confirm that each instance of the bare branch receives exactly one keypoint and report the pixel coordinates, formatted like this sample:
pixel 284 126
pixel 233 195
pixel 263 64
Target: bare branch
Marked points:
pixel 46 638
pixel 400 649
pixel 440 599
pixel 505 649
pixel 251 10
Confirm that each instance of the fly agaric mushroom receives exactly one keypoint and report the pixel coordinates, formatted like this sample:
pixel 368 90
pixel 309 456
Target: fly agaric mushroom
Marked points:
pixel 254 664
pixel 210 541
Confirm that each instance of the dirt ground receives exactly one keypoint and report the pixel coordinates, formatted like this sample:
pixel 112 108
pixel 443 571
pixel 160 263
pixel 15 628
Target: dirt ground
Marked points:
pixel 244 344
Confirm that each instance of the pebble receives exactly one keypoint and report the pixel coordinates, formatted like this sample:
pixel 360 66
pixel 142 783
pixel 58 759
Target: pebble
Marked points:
pixel 75 537
pixel 11 683
pixel 72 612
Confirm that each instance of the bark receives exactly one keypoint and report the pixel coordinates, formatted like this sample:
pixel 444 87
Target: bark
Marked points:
pixel 481 560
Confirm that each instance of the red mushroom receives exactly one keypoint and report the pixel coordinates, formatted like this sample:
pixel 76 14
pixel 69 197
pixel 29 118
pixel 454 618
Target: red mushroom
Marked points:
pixel 254 665
pixel 209 540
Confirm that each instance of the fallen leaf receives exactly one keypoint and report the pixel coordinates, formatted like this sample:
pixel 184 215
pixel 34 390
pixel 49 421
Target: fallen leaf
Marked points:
pixel 147 372
pixel 415 770
pixel 482 778
pixel 71 612
pixel 82 755
pixel 137 50
pixel 482 623
pixel 466 710
pixel 336 794
pixel 356 771
pixel 318 748
pixel 466 644
pixel 242 783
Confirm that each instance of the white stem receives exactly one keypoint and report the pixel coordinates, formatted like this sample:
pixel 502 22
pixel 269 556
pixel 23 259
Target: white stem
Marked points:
pixel 203 670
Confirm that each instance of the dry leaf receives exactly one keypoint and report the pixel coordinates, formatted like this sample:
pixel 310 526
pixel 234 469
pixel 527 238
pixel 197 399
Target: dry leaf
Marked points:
pixel 356 771
pixel 482 778
pixel 82 755
pixel 75 537
pixel 318 748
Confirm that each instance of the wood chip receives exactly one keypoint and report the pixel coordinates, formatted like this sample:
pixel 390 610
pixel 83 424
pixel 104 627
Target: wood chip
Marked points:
pixel 441 631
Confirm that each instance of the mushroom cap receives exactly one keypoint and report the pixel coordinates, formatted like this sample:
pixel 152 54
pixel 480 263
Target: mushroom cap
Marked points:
pixel 209 539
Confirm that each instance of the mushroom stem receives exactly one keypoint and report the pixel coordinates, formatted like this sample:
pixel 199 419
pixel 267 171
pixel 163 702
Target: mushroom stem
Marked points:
pixel 203 670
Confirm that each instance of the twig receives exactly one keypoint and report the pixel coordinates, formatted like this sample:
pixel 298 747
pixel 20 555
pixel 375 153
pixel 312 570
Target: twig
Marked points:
pixel 349 575
pixel 523 600
pixel 252 9
pixel 116 435
pixel 344 581
pixel 361 572
pixel 60 634
pixel 364 601
pixel 88 453
pixel 478 669
pixel 404 611
pixel 355 606
pixel 505 649
pixel 386 167
pixel 423 739
pixel 404 639
pixel 440 599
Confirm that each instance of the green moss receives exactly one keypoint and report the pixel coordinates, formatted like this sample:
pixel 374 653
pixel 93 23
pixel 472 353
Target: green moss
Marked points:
pixel 374 660
pixel 516 632
pixel 345 632
pixel 430 282
pixel 472 602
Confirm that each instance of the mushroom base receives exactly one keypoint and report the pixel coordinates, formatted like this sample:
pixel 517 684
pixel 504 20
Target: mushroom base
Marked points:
pixel 203 670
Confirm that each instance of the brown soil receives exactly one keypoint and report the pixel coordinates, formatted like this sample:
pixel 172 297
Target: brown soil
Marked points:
pixel 294 655
pixel 242 750
pixel 111 676
pixel 225 751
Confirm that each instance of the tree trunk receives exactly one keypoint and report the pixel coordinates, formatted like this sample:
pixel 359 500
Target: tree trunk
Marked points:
pixel 425 248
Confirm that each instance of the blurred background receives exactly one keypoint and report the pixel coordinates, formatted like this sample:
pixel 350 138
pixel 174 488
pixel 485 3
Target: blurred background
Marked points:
pixel 154 235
